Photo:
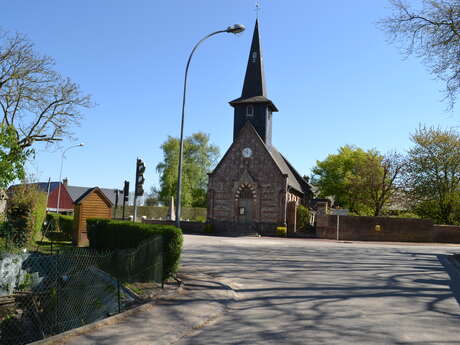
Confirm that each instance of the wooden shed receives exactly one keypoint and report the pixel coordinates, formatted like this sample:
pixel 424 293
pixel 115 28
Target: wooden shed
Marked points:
pixel 91 204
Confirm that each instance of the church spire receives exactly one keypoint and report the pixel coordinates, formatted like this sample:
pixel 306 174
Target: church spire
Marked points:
pixel 254 81
pixel 253 105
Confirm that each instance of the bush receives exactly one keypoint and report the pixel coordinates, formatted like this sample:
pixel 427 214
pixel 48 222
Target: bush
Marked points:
pixel 60 223
pixel 303 217
pixel 109 234
pixel 3 229
pixel 208 229
pixel 25 213
pixel 281 231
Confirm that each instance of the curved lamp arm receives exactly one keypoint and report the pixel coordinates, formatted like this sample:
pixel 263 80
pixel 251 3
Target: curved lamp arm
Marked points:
pixel 237 28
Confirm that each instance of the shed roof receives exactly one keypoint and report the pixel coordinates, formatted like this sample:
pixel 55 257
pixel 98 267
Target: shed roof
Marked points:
pixel 89 192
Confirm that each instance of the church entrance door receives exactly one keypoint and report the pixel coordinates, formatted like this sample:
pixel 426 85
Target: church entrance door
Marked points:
pixel 245 206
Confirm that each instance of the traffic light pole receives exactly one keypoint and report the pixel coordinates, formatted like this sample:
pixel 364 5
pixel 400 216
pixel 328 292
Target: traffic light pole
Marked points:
pixel 135 190
pixel 135 208
pixel 125 197
pixel 139 184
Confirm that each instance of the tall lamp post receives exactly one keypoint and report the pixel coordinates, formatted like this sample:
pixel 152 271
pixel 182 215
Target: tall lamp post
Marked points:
pixel 60 174
pixel 234 29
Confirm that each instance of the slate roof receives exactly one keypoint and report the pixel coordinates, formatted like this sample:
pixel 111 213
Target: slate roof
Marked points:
pixel 255 99
pixel 76 193
pixel 254 86
pixel 295 181
pixel 43 186
pixel 88 192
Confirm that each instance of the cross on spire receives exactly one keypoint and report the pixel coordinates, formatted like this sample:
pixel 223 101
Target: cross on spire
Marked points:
pixel 258 7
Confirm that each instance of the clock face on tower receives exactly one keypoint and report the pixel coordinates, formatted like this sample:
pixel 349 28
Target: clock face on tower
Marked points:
pixel 247 152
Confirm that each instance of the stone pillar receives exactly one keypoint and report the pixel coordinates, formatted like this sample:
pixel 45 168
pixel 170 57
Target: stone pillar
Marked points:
pixel 291 217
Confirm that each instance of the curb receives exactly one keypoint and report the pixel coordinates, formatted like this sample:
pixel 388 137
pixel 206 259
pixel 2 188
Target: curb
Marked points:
pixel 59 339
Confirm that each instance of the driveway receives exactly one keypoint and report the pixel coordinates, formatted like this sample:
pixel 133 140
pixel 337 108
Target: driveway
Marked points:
pixel 295 291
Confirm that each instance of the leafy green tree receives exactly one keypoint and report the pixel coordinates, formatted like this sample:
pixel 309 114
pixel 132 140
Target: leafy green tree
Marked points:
pixel 12 157
pixel 430 30
pixel 362 181
pixel 432 179
pixel 199 158
pixel 152 197
pixel 37 104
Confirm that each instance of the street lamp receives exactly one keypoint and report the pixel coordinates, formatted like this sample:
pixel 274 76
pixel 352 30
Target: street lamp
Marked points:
pixel 60 174
pixel 234 29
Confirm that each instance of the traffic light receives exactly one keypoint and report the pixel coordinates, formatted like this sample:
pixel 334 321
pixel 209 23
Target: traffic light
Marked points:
pixel 126 191
pixel 140 168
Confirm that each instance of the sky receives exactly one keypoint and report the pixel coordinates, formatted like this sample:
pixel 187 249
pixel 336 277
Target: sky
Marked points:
pixel 330 70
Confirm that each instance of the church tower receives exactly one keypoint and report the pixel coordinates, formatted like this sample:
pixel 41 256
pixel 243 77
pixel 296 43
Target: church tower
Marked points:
pixel 253 105
pixel 254 189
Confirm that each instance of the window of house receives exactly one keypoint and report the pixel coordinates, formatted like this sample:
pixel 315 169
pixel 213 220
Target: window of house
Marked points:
pixel 250 110
pixel 242 211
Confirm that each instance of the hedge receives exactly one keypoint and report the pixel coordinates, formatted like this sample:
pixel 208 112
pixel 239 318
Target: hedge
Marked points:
pixel 60 223
pixel 25 214
pixel 106 234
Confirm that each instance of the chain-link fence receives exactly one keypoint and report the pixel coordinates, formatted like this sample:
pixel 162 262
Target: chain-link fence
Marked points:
pixel 44 295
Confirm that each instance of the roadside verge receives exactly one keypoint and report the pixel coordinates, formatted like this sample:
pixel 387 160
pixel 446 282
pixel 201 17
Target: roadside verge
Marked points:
pixel 166 320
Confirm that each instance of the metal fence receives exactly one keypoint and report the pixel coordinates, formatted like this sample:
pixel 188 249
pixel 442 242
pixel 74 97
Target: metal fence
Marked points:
pixel 56 293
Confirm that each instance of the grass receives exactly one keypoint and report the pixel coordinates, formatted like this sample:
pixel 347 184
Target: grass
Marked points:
pixel 48 247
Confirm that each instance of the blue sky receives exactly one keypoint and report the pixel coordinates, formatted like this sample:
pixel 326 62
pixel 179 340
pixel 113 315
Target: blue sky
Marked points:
pixel 329 69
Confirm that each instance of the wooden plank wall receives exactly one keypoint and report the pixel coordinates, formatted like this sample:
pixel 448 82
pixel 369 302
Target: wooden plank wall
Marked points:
pixel 93 206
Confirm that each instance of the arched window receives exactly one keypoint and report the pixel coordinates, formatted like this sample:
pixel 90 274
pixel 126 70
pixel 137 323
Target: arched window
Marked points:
pixel 250 110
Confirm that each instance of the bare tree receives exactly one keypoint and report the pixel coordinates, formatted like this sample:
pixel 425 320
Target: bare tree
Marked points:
pixel 431 32
pixel 36 102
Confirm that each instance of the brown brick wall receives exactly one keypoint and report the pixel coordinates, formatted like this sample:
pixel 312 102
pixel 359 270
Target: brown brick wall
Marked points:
pixel 192 227
pixel 259 171
pixel 353 228
pixel 446 233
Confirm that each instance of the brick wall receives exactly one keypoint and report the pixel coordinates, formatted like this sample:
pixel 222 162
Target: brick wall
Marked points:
pixel 187 227
pixel 446 233
pixel 353 228
pixel 258 171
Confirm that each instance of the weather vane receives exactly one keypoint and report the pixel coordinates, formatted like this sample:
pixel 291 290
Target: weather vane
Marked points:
pixel 258 8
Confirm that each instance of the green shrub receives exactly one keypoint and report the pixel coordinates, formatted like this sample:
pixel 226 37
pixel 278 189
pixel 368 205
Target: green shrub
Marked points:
pixel 281 231
pixel 303 217
pixel 109 234
pixel 3 229
pixel 60 223
pixel 25 214
pixel 208 229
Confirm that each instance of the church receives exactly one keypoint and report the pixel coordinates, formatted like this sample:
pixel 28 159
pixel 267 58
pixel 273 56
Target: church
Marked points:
pixel 254 188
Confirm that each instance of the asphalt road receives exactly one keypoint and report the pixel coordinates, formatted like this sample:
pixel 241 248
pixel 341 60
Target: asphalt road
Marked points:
pixel 292 291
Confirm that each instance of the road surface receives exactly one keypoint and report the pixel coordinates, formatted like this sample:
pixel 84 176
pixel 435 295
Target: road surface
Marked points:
pixel 296 291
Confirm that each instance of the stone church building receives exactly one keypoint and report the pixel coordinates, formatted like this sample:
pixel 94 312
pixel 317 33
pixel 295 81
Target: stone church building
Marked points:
pixel 254 188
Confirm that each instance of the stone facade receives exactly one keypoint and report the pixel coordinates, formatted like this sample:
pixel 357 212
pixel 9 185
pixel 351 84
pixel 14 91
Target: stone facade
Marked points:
pixel 257 176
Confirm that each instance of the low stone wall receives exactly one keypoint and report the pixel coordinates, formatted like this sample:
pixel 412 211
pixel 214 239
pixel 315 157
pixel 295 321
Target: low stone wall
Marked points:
pixel 187 227
pixel 155 212
pixel 446 233
pixel 220 228
pixel 241 229
pixel 354 228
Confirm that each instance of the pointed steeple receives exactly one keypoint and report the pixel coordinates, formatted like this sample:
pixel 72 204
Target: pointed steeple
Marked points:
pixel 253 105
pixel 254 81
